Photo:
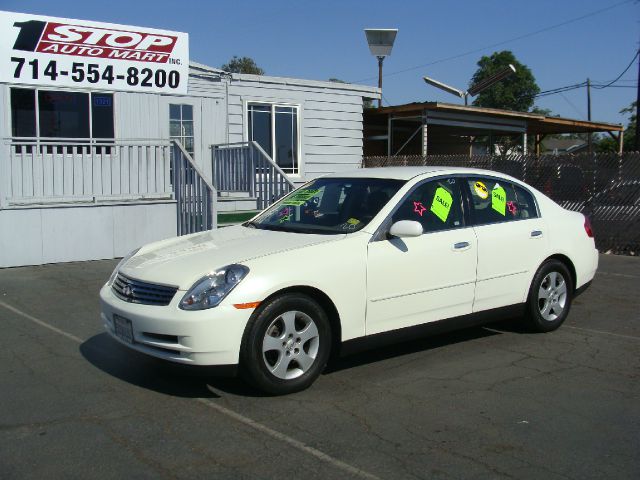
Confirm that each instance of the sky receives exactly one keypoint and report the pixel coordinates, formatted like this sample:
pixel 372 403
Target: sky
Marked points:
pixel 563 42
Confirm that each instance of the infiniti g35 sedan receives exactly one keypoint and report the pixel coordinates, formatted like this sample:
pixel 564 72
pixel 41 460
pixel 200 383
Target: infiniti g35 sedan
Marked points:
pixel 349 261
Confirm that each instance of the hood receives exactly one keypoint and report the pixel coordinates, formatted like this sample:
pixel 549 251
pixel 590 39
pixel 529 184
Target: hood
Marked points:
pixel 182 261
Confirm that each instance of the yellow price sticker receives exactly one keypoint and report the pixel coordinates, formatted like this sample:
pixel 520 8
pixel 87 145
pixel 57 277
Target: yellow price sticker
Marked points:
pixel 499 200
pixel 300 197
pixel 442 202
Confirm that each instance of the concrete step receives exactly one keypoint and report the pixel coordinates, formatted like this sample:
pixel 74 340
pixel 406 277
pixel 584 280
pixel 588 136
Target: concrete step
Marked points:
pixel 232 204
pixel 226 219
pixel 222 194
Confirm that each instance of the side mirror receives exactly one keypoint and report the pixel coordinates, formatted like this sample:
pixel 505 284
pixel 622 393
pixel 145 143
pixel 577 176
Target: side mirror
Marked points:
pixel 406 228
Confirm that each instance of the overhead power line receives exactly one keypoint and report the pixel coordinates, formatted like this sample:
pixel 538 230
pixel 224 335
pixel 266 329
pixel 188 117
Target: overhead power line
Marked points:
pixel 600 86
pixel 623 72
pixel 503 42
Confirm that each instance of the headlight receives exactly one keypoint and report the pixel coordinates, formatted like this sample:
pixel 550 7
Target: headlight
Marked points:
pixel 124 260
pixel 209 291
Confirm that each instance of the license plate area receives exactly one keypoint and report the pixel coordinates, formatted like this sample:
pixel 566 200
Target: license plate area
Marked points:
pixel 123 328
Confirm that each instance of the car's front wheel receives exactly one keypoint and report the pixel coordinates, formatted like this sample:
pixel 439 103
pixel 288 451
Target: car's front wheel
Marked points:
pixel 550 296
pixel 286 345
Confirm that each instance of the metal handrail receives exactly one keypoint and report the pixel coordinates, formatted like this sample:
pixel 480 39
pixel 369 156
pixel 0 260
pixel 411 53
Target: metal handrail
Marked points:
pixel 246 167
pixel 274 164
pixel 83 141
pixel 193 163
pixel 194 194
pixel 45 171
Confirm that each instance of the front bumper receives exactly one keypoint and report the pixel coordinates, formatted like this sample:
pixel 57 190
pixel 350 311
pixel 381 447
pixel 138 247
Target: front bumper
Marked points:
pixel 203 337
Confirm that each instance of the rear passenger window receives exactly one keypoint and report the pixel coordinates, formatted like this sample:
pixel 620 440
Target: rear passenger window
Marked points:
pixel 435 204
pixel 526 205
pixel 495 200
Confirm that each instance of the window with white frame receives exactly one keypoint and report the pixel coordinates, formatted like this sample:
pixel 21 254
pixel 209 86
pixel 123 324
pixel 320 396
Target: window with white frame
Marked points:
pixel 181 126
pixel 275 128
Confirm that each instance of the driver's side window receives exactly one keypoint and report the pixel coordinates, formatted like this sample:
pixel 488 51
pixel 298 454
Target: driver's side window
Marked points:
pixel 436 204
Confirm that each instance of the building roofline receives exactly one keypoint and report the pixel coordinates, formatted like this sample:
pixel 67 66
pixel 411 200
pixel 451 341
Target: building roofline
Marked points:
pixel 535 118
pixel 366 90
pixel 205 68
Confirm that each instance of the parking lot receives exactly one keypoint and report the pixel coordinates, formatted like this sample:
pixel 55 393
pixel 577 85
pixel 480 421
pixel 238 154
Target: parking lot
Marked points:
pixel 493 402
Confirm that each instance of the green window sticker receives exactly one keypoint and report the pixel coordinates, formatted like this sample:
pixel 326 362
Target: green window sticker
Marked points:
pixel 442 202
pixel 301 197
pixel 499 200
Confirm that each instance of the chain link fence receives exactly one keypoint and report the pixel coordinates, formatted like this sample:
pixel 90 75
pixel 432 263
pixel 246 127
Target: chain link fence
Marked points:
pixel 604 186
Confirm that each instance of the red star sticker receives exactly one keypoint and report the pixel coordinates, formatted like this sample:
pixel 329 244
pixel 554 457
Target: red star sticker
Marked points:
pixel 419 208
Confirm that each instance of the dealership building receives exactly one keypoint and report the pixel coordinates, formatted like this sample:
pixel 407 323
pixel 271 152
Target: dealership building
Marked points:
pixel 91 113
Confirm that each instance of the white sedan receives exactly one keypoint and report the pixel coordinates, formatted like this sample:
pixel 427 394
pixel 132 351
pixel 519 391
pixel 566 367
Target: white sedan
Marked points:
pixel 346 262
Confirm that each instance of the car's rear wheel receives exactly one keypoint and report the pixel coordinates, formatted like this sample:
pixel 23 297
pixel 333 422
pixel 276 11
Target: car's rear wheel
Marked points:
pixel 286 345
pixel 550 296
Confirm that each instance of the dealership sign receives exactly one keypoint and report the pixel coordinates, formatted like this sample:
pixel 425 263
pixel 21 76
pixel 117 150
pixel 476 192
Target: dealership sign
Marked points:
pixel 53 51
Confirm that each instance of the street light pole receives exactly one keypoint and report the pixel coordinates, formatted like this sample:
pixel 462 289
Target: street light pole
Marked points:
pixel 380 41
pixel 380 60
pixel 476 88
pixel 590 138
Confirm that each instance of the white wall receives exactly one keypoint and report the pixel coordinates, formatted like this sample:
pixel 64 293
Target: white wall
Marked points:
pixel 146 116
pixel 330 121
pixel 331 140
pixel 34 236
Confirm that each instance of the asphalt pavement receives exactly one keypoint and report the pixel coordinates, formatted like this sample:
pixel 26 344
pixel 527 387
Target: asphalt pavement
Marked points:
pixel 489 402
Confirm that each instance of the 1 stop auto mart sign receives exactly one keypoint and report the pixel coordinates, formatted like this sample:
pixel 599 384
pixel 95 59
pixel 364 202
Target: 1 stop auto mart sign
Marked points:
pixel 51 51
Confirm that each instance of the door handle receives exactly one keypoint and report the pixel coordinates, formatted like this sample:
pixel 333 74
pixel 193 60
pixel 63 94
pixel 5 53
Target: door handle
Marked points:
pixel 461 246
pixel 536 234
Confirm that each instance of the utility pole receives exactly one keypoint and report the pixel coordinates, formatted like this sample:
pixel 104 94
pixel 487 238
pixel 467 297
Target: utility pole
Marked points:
pixel 637 105
pixel 590 143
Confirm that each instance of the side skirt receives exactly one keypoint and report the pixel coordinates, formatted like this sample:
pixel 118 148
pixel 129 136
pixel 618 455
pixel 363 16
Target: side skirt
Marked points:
pixel 432 328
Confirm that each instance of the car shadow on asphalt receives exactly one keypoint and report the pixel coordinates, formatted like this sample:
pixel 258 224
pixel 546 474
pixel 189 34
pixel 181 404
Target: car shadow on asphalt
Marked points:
pixel 145 371
pixel 189 381
pixel 421 344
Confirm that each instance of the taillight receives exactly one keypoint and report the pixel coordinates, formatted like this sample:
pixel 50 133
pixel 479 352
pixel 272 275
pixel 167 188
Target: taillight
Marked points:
pixel 587 226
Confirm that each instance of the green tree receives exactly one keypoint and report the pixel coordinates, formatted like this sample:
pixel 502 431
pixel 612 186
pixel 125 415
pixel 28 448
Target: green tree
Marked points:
pixel 547 112
pixel 242 65
pixel 516 92
pixel 608 144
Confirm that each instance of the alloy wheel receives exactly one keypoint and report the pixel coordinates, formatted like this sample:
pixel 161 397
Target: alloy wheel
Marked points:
pixel 552 296
pixel 290 345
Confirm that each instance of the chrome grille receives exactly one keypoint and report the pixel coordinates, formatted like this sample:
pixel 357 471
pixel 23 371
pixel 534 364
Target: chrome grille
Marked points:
pixel 135 291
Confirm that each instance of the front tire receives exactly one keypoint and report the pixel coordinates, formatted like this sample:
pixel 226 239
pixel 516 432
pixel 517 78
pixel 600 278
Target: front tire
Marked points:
pixel 286 344
pixel 550 297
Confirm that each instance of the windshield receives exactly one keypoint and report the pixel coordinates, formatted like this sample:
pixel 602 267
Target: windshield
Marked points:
pixel 329 206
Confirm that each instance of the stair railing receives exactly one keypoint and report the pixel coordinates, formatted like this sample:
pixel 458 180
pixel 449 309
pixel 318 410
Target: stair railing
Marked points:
pixel 195 196
pixel 246 167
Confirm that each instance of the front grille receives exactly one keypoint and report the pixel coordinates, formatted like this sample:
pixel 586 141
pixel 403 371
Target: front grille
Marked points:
pixel 135 291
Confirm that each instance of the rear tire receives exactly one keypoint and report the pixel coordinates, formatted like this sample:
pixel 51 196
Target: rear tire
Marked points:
pixel 550 297
pixel 286 344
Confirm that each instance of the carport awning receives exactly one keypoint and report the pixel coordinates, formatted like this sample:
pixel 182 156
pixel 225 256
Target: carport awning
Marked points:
pixel 470 120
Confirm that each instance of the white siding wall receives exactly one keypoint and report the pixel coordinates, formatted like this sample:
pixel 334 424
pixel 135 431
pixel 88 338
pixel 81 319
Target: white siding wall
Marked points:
pixel 330 117
pixel 331 140
pixel 139 116
pixel 330 122
pixel 146 116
